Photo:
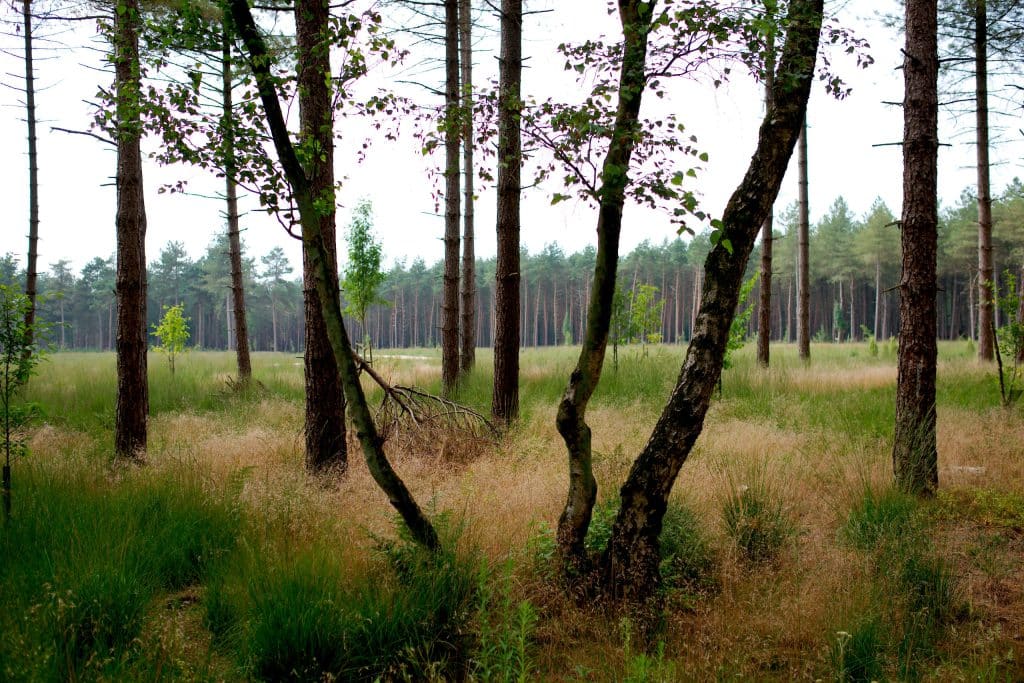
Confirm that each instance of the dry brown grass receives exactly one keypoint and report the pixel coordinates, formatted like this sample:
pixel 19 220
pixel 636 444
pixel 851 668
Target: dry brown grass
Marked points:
pixel 766 622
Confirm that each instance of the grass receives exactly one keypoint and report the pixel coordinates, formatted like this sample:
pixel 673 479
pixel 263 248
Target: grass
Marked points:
pixel 220 560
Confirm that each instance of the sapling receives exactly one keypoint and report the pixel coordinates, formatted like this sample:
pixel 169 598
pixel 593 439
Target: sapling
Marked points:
pixel 172 333
pixel 1009 341
pixel 19 356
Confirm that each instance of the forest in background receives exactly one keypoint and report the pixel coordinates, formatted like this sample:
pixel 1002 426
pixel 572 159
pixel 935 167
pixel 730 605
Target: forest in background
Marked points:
pixel 854 265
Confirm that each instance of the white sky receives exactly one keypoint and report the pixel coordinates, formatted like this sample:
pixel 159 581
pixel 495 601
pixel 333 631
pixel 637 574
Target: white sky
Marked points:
pixel 77 197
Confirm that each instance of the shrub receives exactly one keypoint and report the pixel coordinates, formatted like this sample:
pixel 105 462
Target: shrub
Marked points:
pixel 880 517
pixel 859 654
pixel 756 520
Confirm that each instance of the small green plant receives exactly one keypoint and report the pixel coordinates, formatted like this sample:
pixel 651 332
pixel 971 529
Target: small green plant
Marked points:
pixel 505 630
pixel 645 312
pixel 877 518
pixel 19 355
pixel 756 520
pixel 1009 346
pixel 621 329
pixel 872 344
pixel 172 333
pixel 857 655
pixel 642 666
pixel 738 329
pixel 363 275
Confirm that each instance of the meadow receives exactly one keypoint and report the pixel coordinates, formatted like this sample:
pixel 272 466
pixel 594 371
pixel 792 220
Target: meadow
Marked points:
pixel 787 554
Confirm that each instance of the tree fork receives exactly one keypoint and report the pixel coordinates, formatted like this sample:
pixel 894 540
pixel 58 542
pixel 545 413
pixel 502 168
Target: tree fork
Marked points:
pixel 571 419
pixel 630 562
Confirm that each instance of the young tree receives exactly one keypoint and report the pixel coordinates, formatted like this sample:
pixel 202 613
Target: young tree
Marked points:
pixel 645 311
pixel 132 384
pixel 18 358
pixel 172 333
pixel 505 397
pixel 276 266
pixel 915 458
pixel 363 275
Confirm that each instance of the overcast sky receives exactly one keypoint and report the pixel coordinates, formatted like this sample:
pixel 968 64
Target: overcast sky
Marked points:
pixel 77 198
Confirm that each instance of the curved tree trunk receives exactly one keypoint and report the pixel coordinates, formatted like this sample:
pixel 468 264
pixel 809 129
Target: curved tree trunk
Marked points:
pixel 630 562
pixel 571 419
pixel 914 455
pixel 132 384
pixel 325 399
pixel 315 250
pixel 507 325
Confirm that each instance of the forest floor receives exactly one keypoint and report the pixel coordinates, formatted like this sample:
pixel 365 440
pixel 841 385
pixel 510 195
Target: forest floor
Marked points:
pixel 220 559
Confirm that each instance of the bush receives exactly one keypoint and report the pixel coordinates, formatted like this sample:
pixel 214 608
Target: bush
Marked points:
pixel 880 517
pixel 302 616
pixel 756 520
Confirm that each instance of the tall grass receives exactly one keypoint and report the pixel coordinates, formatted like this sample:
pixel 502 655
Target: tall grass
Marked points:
pixel 83 557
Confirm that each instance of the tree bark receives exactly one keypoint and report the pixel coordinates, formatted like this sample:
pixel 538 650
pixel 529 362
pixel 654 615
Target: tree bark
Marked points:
pixel 467 357
pixel 231 193
pixel 31 275
pixel 325 399
pixel 505 396
pixel 803 314
pixel 571 419
pixel 986 307
pixel 630 562
pixel 132 384
pixel 764 311
pixel 314 246
pixel 450 295
pixel 915 459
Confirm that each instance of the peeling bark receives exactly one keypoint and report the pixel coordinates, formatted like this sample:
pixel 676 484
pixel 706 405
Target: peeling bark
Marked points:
pixel 571 420
pixel 630 562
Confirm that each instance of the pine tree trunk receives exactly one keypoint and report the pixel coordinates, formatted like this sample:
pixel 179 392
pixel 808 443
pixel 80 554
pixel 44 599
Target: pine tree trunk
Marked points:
pixel 31 276
pixel 450 297
pixel 985 296
pixel 764 312
pixel 231 192
pixel 132 384
pixel 507 307
pixel 468 281
pixel 325 400
pixel 915 461
pixel 803 313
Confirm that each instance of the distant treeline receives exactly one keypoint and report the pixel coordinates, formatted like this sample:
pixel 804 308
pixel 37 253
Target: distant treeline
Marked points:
pixel 854 266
